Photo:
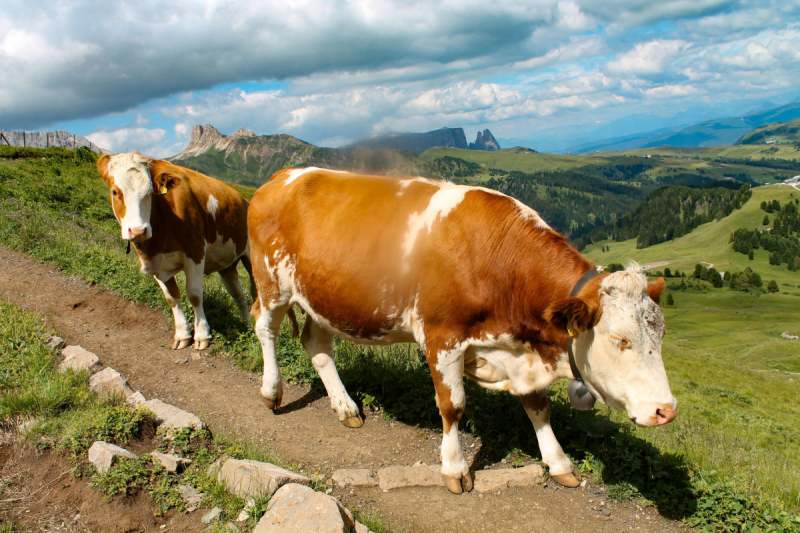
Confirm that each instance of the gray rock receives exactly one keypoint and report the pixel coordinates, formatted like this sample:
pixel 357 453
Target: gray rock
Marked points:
pixel 606 512
pixel 361 528
pixel 102 455
pixel 212 515
pixel 190 497
pixel 396 477
pixel 233 528
pixel 295 508
pixel 170 416
pixel 54 342
pixel 356 477
pixel 78 359
pixel 494 480
pixel 170 462
pixel 245 477
pixel 109 381
pixel 135 399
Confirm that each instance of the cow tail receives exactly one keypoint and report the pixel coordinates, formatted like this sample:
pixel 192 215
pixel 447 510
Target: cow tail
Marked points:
pixel 293 321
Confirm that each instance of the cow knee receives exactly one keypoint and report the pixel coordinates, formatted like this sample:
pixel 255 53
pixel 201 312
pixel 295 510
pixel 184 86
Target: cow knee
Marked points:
pixel 195 300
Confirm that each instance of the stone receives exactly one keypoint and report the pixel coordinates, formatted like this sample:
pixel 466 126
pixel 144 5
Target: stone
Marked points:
pixel 494 480
pixel 109 381
pixel 172 463
pixel 212 515
pixel 196 356
pixel 135 399
pixel 213 470
pixel 245 477
pixel 170 416
pixel 190 496
pixel 102 455
pixel 28 424
pixel 233 528
pixel 356 477
pixel 396 477
pixel 295 508
pixel 55 343
pixel 361 528
pixel 78 359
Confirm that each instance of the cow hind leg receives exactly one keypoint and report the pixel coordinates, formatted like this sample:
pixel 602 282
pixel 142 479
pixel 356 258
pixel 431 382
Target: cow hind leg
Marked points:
pixel 194 291
pixel 319 345
pixel 249 268
pixel 448 380
pixel 230 279
pixel 182 338
pixel 268 326
pixel 561 469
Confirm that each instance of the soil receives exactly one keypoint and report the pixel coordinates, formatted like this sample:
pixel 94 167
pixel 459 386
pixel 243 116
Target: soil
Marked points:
pixel 136 341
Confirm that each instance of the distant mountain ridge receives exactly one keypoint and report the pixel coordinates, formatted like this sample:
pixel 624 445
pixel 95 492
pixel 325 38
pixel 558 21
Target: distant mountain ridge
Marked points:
pixel 49 139
pixel 420 142
pixel 775 132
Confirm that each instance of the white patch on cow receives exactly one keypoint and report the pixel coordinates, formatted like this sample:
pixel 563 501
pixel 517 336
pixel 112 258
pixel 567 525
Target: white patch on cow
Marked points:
pixel 295 173
pixel 267 329
pixel 525 212
pixel 194 292
pixel 220 254
pixel 181 325
pixel 552 453
pixel 162 266
pixel 131 174
pixel 440 205
pixel 453 462
pixel 212 206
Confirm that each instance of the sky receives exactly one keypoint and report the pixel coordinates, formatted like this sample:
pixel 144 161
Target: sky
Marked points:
pixel 137 75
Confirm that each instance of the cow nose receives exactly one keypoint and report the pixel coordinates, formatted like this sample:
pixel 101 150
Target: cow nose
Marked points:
pixel 137 234
pixel 665 415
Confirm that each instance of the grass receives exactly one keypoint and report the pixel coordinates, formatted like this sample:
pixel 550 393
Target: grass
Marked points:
pixel 724 465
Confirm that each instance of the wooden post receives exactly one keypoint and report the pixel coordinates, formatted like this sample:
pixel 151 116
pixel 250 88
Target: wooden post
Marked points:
pixel 23 139
pixel 73 142
pixel 47 136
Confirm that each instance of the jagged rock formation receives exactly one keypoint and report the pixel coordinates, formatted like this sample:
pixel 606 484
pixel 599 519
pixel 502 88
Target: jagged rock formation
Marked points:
pixel 251 159
pixel 415 142
pixel 485 141
pixel 48 139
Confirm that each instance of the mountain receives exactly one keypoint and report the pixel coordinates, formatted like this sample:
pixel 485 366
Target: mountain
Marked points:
pixel 716 132
pixel 47 139
pixel 415 142
pixel 251 159
pixel 485 141
pixel 777 132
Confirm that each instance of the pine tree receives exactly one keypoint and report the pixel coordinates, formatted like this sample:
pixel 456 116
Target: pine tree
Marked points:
pixel 772 286
pixel 670 300
pixel 766 220
pixel 751 255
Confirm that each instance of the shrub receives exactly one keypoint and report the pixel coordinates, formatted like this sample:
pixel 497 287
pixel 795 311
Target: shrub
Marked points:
pixel 772 287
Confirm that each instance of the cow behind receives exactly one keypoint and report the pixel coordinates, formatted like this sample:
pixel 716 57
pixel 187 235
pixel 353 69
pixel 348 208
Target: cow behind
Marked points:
pixel 473 276
pixel 180 220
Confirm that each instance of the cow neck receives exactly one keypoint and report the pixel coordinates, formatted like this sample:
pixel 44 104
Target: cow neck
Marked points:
pixel 583 280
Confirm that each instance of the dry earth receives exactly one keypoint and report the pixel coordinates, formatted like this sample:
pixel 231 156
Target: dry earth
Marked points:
pixel 135 340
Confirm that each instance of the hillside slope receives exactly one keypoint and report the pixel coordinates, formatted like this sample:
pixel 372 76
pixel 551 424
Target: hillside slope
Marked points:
pixel 777 132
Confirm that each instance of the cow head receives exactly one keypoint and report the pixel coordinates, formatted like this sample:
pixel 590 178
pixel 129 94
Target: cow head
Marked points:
pixel 618 328
pixel 132 189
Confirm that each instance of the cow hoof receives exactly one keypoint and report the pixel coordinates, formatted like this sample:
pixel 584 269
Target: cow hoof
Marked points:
pixel 181 344
pixel 202 344
pixel 353 422
pixel 570 479
pixel 272 404
pixel 467 482
pixel 453 484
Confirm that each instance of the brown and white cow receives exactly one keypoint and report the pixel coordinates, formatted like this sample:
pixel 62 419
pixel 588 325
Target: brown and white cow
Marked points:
pixel 179 219
pixel 473 276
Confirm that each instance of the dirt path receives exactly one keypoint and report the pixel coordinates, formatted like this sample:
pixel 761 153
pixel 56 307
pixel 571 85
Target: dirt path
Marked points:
pixel 135 340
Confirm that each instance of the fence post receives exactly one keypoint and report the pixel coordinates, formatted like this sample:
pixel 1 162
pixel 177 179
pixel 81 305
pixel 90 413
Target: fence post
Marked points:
pixel 47 136
pixel 74 147
pixel 23 139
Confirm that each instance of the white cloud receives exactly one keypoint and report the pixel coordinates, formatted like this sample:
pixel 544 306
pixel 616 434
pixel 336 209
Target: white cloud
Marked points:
pixel 147 141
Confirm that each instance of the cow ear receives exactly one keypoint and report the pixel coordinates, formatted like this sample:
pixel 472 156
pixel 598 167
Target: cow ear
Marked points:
pixel 102 167
pixel 162 181
pixel 655 289
pixel 573 315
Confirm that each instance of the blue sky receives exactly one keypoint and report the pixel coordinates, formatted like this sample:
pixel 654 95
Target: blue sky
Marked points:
pixel 138 75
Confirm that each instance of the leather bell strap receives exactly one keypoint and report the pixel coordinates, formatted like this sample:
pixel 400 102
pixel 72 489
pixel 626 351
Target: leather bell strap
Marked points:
pixel 579 395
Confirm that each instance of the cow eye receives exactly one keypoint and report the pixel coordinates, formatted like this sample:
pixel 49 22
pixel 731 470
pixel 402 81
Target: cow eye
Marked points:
pixel 621 343
pixel 113 193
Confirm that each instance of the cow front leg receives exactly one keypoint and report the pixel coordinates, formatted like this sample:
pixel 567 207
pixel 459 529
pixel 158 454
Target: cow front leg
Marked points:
pixel 182 338
pixel 194 291
pixel 447 370
pixel 319 345
pixel 268 326
pixel 230 280
pixel 561 469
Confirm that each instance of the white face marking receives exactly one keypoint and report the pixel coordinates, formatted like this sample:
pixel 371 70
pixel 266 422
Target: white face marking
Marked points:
pixel 131 174
pixel 627 376
pixel 212 206
pixel 298 172
pixel 441 204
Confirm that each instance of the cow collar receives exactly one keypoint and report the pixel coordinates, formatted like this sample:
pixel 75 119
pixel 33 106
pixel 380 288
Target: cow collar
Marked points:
pixel 580 396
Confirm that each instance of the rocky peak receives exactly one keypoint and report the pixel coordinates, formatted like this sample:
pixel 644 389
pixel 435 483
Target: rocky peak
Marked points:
pixel 485 141
pixel 241 132
pixel 204 135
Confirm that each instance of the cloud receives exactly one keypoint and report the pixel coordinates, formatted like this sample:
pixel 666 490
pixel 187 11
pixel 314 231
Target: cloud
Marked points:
pixel 147 141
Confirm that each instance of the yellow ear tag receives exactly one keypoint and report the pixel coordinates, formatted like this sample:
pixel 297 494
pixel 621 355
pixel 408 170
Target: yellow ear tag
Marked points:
pixel 569 330
pixel 162 189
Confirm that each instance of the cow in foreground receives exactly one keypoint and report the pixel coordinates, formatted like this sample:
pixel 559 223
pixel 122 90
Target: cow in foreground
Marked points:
pixel 476 278
pixel 178 219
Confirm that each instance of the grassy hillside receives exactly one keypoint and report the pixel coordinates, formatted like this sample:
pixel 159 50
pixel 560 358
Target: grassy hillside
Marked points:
pixel 778 133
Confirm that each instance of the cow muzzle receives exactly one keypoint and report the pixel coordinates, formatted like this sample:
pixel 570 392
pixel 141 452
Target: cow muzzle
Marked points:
pixel 661 414
pixel 138 234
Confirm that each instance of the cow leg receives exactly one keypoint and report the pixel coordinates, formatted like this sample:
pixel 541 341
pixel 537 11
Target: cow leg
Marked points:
pixel 319 345
pixel 194 291
pixel 561 470
pixel 249 268
pixel 173 296
pixel 268 326
pixel 230 279
pixel 447 370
